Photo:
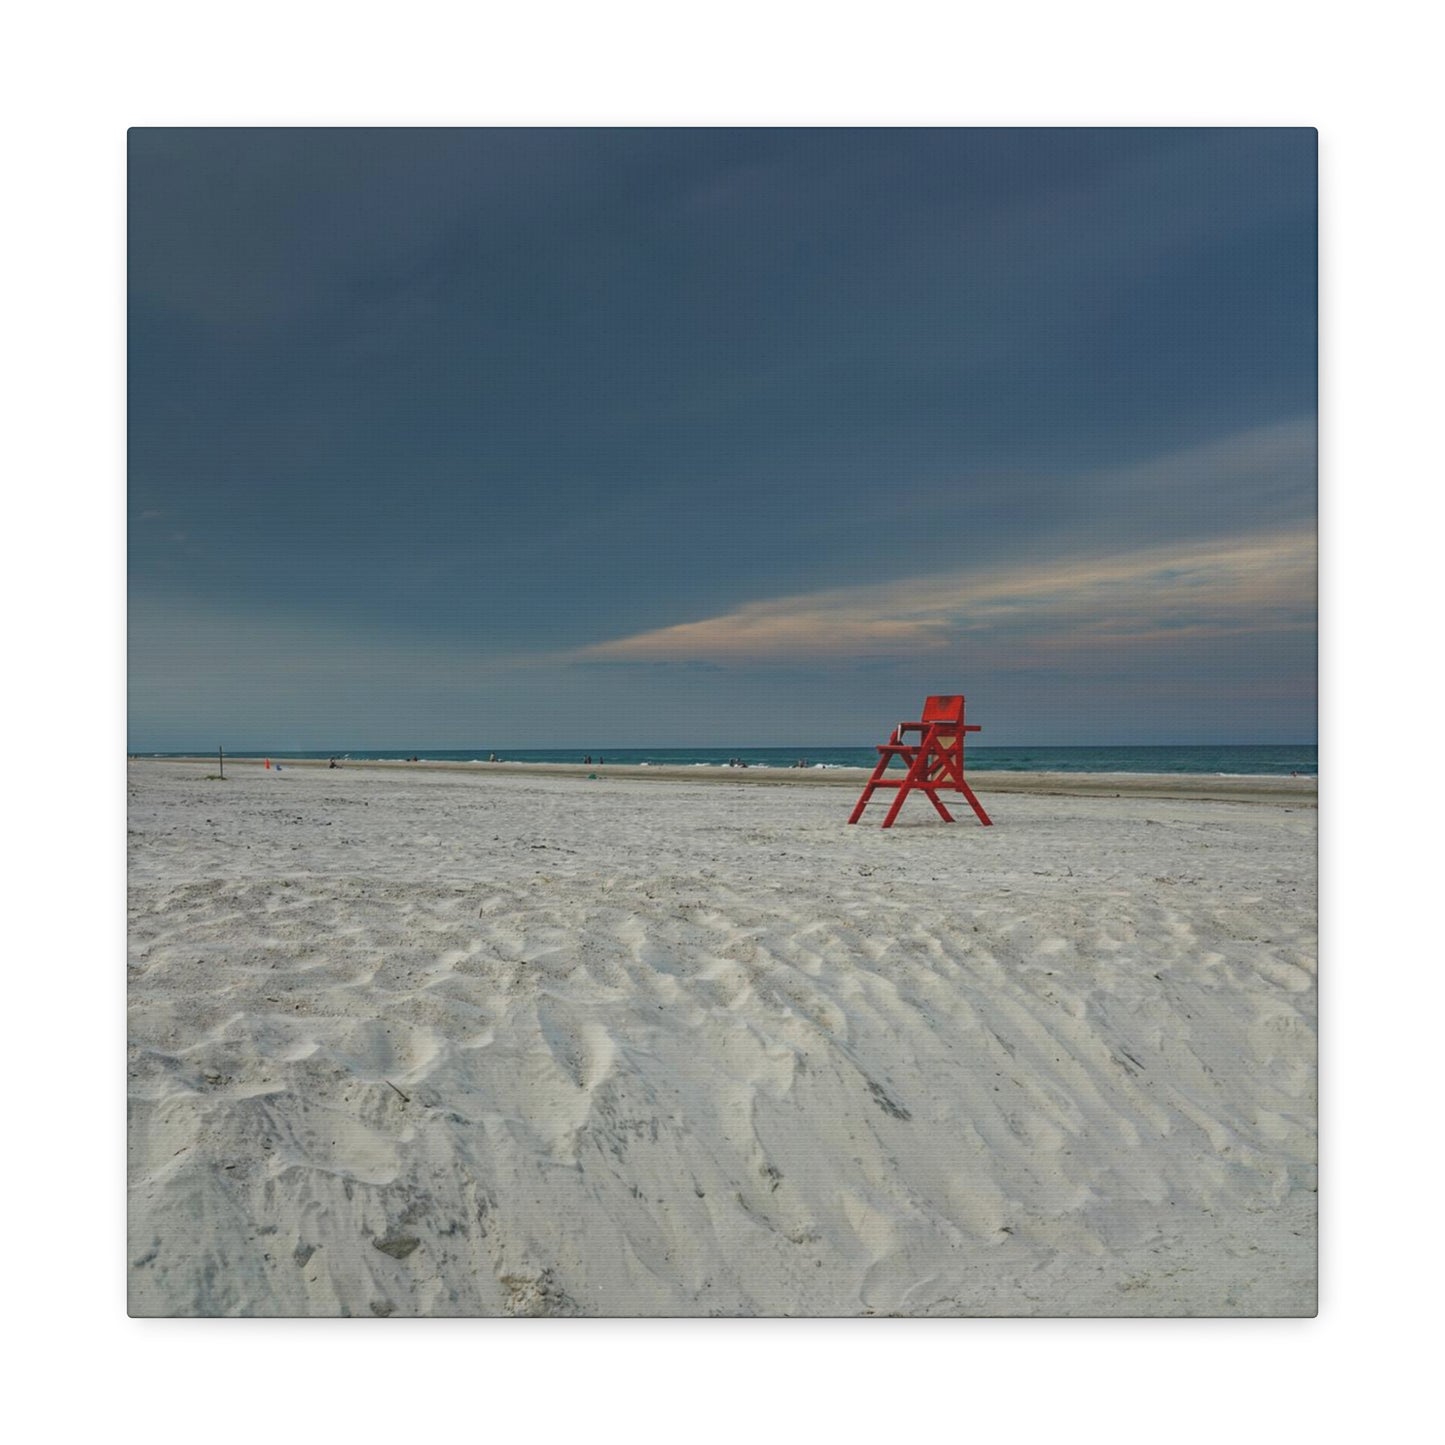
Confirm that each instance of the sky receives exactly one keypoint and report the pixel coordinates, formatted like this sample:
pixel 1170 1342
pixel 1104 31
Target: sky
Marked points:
pixel 507 438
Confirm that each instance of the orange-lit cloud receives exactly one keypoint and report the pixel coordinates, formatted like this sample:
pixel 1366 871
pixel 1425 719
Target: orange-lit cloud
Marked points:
pixel 1129 599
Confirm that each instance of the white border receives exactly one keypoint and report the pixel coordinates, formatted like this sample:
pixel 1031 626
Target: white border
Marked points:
pixel 78 75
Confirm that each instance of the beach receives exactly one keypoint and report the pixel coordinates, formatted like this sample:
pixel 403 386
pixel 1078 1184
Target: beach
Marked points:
pixel 449 1039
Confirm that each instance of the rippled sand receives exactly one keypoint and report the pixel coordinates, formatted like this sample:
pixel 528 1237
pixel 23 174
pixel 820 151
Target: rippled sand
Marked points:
pixel 442 1042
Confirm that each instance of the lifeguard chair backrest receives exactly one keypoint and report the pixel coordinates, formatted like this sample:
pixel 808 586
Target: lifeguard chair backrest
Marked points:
pixel 943 709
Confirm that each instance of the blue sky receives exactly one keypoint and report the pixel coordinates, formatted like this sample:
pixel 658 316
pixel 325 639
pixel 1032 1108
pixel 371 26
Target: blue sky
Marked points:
pixel 591 438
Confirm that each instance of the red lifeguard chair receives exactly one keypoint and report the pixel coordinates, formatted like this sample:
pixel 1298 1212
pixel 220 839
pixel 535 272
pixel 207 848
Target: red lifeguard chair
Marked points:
pixel 934 761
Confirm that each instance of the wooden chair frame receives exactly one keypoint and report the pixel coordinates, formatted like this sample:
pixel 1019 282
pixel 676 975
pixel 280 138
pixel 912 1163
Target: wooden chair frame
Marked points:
pixel 933 762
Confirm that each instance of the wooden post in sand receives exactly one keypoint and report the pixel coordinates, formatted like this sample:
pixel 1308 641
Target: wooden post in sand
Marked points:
pixel 221 754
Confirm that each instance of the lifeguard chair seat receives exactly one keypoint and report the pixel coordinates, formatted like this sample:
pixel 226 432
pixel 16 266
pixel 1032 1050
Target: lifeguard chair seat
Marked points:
pixel 933 762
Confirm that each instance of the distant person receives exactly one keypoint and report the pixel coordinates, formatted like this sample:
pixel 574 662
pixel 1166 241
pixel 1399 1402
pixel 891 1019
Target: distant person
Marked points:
pixel 332 763
pixel 600 761
pixel 587 761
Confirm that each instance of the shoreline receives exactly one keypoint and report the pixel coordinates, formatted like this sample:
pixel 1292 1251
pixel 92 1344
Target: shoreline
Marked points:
pixel 1245 788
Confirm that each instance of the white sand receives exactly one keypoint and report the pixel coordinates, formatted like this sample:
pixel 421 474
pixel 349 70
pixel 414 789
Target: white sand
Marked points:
pixel 435 1042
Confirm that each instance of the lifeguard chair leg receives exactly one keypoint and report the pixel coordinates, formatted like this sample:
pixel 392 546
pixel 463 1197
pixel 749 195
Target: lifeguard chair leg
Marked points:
pixel 861 804
pixel 938 803
pixel 930 793
pixel 869 788
pixel 895 805
pixel 893 748
pixel 917 774
pixel 939 771
pixel 974 803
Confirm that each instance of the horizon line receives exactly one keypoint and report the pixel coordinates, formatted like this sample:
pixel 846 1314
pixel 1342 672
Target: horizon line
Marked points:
pixel 692 747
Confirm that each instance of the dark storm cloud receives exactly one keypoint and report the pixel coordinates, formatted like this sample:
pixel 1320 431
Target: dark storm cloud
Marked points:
pixel 517 393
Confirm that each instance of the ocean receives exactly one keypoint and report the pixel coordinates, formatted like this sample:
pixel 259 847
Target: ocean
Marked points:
pixel 1239 760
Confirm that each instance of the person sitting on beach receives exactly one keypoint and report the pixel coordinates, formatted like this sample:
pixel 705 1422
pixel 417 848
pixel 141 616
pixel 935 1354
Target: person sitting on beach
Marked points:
pixel 332 763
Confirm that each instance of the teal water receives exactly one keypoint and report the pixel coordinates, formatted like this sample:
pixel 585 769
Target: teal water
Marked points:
pixel 1272 760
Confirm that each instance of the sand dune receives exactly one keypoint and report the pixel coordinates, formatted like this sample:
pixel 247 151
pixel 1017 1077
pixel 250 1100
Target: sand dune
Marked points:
pixel 433 1043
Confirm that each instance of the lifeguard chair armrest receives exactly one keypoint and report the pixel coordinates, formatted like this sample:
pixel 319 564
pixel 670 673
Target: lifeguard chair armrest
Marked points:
pixel 943 726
